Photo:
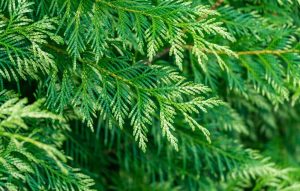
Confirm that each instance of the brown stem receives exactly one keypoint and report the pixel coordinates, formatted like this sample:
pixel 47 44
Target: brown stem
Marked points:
pixel 217 4
pixel 189 47
pixel 158 55
pixel 56 49
pixel 257 52
pixel 251 52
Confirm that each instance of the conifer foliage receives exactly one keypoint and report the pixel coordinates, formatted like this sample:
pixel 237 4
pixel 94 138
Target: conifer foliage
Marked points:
pixel 149 95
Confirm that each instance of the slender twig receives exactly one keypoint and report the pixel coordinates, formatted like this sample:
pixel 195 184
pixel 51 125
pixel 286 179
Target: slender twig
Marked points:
pixel 217 4
pixel 257 52
pixel 189 47
pixel 162 53
pixel 56 49
pixel 158 55
pixel 250 52
pixel 239 53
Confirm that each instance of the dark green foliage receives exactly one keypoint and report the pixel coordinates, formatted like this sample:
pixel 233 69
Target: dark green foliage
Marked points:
pixel 149 95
